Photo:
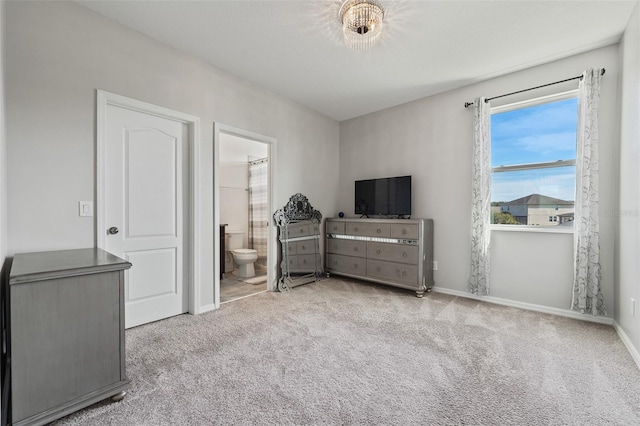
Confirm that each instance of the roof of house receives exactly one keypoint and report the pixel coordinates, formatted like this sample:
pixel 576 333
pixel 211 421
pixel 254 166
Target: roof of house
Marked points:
pixel 537 200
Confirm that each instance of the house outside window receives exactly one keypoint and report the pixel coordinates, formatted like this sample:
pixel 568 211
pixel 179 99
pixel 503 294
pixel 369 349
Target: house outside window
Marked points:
pixel 533 157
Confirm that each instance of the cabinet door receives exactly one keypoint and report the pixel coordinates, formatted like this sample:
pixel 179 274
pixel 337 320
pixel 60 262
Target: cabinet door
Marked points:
pixel 393 252
pixel 65 340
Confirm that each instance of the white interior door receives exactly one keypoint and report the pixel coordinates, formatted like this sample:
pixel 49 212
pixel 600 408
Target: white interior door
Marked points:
pixel 145 169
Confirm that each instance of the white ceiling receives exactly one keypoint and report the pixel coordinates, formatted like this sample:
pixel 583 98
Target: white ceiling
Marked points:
pixel 294 48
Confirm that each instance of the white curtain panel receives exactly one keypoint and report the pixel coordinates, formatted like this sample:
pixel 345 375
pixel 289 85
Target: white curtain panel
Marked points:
pixel 258 214
pixel 587 294
pixel 481 199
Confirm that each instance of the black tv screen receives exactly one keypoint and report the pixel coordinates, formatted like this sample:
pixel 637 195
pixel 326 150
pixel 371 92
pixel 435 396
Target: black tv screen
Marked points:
pixel 384 197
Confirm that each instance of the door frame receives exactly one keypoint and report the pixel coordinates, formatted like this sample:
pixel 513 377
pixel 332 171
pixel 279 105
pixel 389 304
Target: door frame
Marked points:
pixel 192 266
pixel 272 273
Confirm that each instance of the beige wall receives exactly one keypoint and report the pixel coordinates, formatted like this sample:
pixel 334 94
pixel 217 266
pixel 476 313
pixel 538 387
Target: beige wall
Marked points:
pixel 431 139
pixel 59 53
pixel 627 214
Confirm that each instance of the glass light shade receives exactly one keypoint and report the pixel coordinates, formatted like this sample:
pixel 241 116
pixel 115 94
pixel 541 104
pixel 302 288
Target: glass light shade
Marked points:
pixel 361 23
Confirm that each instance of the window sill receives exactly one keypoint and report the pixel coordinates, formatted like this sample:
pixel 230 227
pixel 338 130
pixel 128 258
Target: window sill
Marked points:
pixel 539 229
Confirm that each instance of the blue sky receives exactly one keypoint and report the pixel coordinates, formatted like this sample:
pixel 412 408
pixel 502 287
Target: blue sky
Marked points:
pixel 535 134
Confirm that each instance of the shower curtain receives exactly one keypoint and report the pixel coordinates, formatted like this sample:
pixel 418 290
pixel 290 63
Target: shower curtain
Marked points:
pixel 258 215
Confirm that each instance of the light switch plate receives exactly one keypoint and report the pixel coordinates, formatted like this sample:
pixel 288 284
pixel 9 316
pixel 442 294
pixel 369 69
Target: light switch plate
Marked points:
pixel 85 208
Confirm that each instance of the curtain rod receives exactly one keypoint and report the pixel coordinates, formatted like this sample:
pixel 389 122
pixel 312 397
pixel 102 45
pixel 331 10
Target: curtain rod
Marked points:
pixel 468 104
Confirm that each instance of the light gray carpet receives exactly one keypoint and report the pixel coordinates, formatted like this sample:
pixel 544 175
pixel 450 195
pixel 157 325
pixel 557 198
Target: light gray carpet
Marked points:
pixel 345 352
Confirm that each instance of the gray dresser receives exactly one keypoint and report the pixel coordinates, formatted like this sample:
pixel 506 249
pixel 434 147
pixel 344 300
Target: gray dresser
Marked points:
pixel 66 333
pixel 397 252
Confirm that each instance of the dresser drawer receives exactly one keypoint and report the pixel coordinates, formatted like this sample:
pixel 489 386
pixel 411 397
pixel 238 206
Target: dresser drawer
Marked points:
pixel 347 247
pixel 292 262
pixel 399 272
pixel 335 227
pixel 393 252
pixel 406 232
pixel 303 263
pixel 368 229
pixel 291 248
pixel 305 247
pixel 300 230
pixel 306 263
pixel 347 264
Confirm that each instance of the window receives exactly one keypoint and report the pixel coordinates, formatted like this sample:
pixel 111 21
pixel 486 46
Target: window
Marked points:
pixel 533 157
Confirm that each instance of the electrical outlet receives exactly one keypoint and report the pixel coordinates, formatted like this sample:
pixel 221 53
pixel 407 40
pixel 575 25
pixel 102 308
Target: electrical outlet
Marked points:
pixel 633 307
pixel 435 265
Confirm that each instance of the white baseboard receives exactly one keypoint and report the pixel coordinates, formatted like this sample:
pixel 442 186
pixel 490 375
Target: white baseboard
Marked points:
pixel 527 306
pixel 627 342
pixel 206 308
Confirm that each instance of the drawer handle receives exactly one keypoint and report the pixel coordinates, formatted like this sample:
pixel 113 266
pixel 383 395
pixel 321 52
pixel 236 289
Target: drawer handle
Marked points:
pixel 377 269
pixel 377 251
pixel 335 228
pixel 404 231
pixel 355 266
pixel 404 253
pixel 302 231
pixel 355 249
pixel 404 273
pixel 378 230
pixel 355 229
pixel 303 247
pixel 304 261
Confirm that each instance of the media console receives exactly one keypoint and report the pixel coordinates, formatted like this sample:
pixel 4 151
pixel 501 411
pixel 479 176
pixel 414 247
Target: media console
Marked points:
pixel 397 252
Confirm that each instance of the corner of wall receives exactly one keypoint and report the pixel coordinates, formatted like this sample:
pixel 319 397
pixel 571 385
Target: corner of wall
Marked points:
pixel 3 141
pixel 633 351
pixel 3 220
pixel 627 270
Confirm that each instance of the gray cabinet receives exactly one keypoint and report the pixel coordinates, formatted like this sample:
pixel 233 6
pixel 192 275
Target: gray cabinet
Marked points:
pixel 398 252
pixel 66 333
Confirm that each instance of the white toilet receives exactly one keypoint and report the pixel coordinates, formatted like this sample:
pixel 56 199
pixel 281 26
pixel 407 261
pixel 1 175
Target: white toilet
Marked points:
pixel 244 258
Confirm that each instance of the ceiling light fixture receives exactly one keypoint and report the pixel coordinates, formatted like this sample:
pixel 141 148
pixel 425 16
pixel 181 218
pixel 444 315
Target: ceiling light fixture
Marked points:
pixel 361 23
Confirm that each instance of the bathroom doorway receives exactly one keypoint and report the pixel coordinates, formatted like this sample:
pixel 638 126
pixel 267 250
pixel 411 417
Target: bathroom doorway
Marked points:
pixel 244 193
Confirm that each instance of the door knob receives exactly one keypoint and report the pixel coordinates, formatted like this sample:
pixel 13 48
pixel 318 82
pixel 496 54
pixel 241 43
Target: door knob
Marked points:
pixel 113 230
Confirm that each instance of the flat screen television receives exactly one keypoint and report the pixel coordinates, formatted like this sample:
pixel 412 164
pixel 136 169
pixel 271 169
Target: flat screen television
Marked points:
pixel 384 197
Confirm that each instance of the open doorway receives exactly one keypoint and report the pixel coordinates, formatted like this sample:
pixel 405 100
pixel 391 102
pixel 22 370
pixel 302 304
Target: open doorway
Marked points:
pixel 243 200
